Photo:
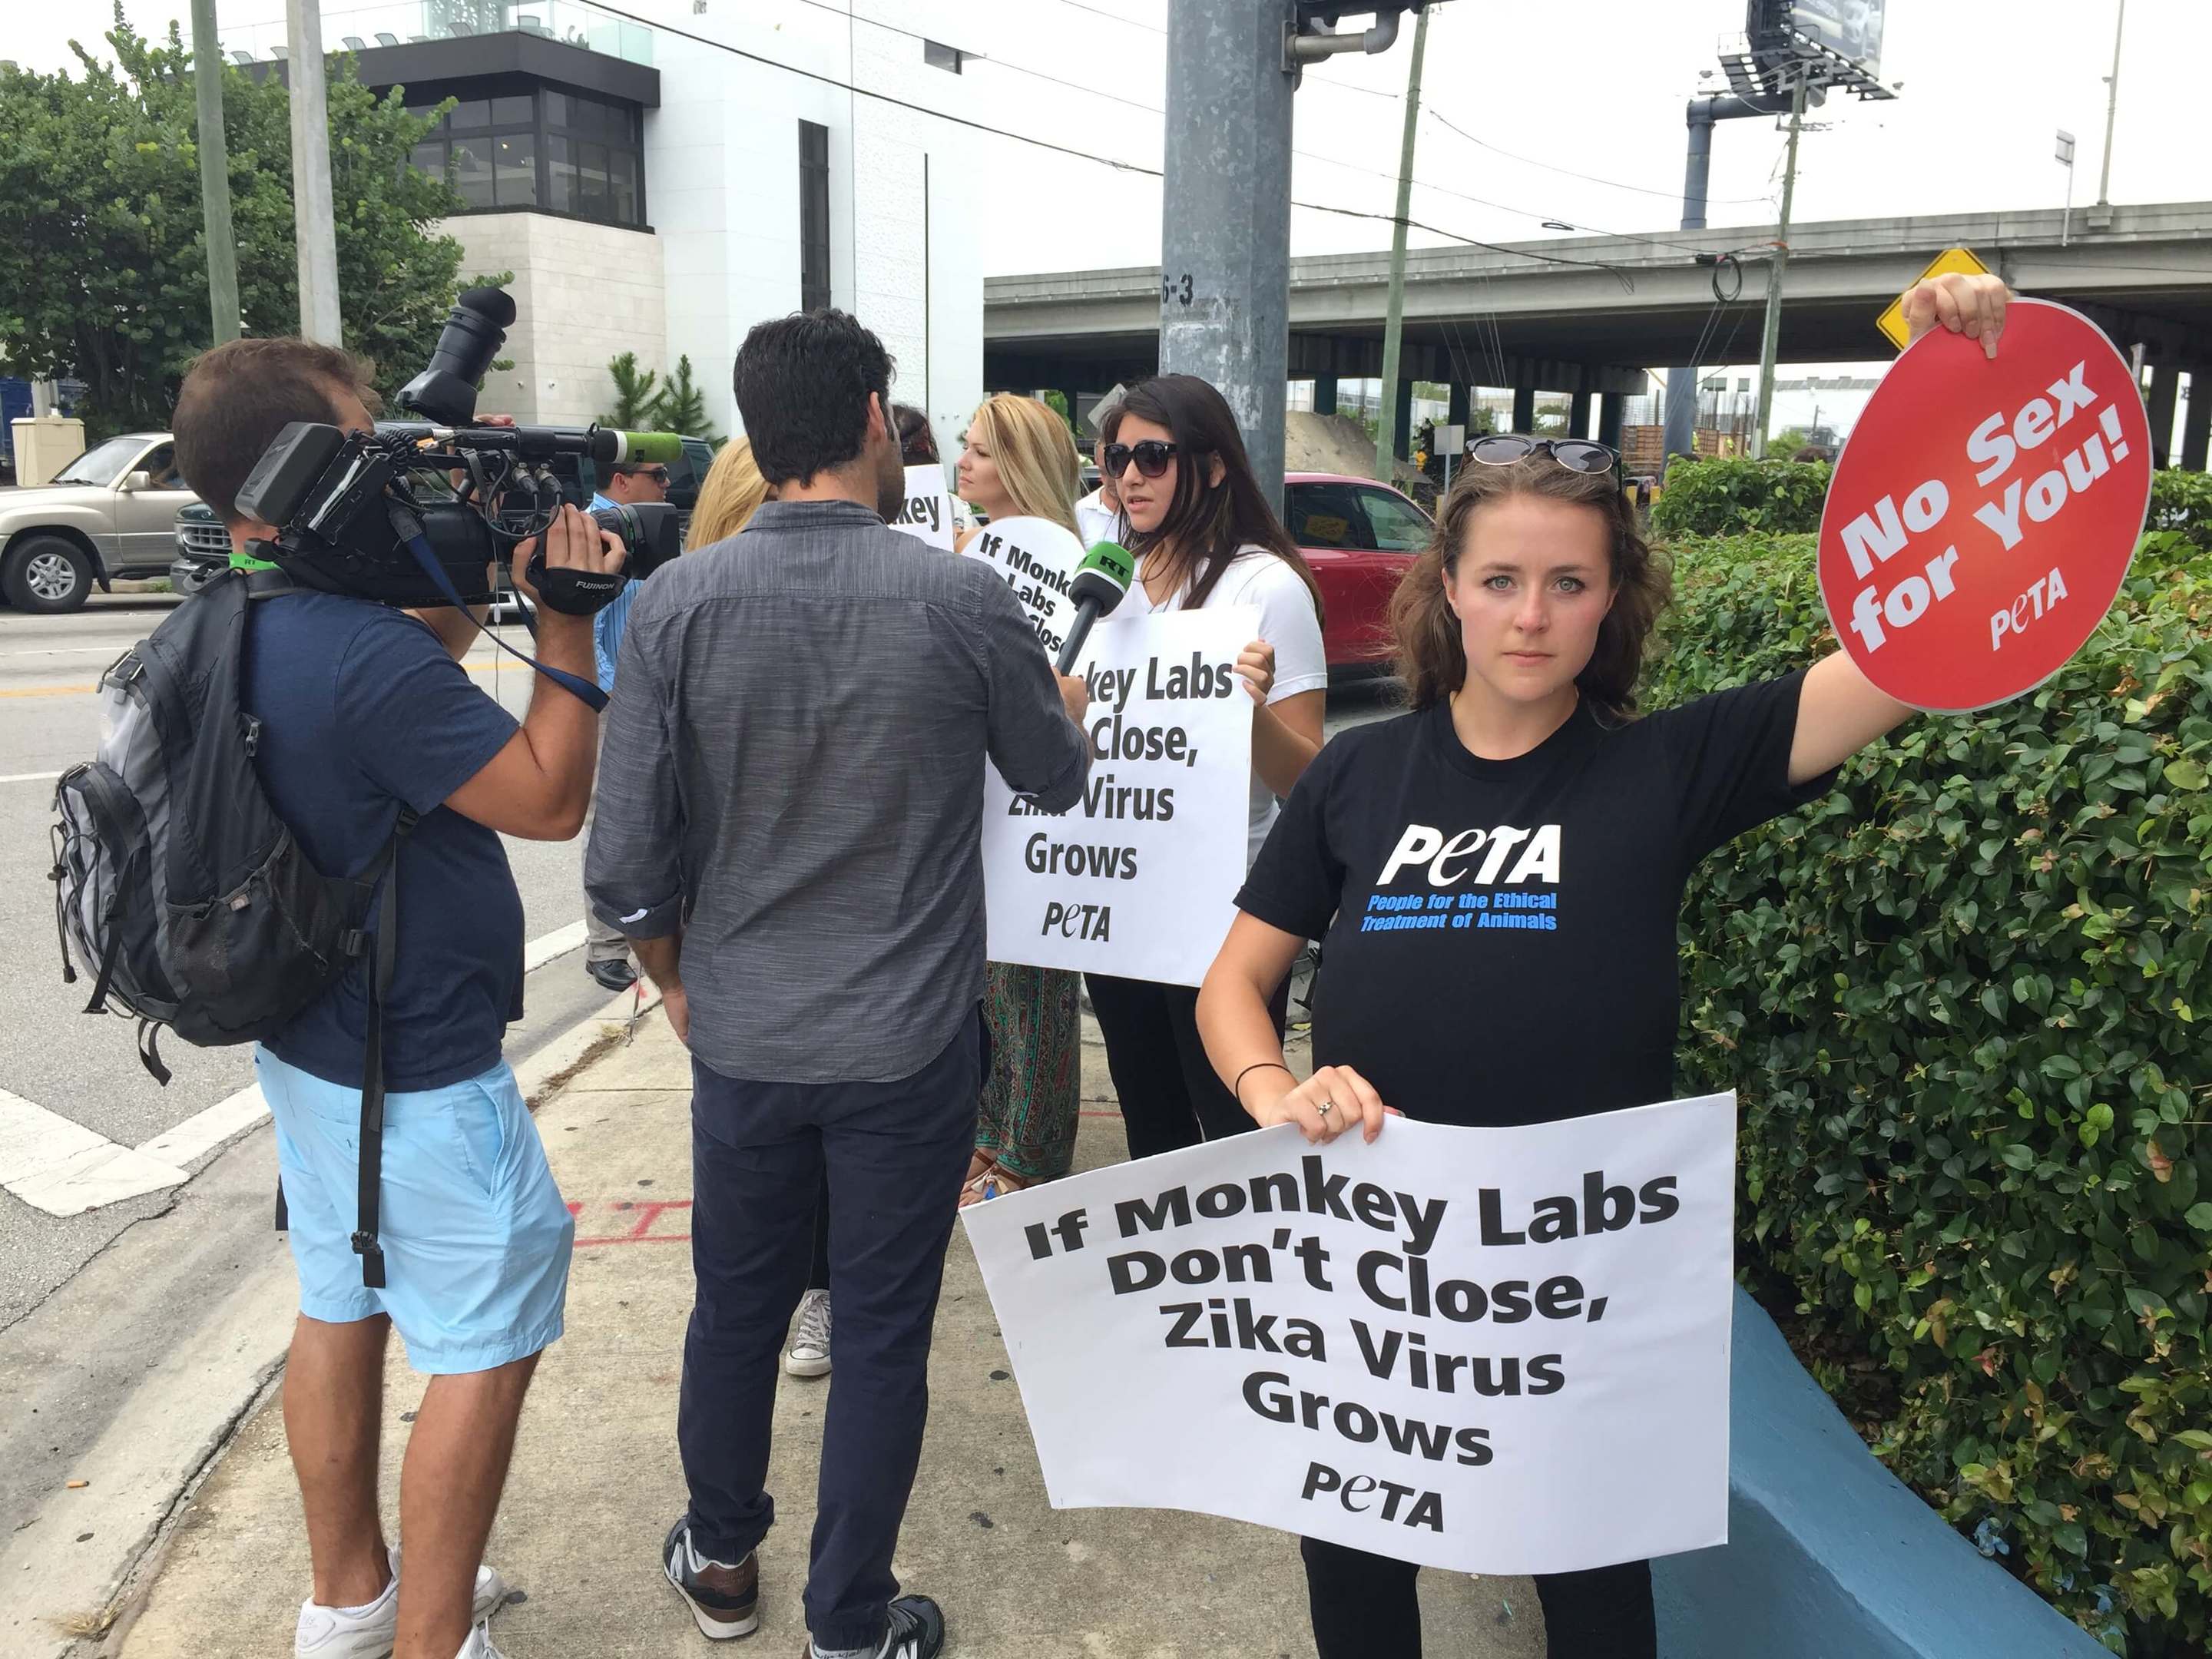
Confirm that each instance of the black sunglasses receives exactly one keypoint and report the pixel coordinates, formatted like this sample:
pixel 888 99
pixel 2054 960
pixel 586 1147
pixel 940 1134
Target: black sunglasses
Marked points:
pixel 658 474
pixel 1150 456
pixel 1575 454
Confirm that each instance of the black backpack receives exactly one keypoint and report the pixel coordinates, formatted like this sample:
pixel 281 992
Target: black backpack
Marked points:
pixel 182 893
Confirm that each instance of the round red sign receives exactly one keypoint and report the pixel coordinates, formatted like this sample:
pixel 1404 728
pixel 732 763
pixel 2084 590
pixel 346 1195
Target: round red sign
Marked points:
pixel 1983 513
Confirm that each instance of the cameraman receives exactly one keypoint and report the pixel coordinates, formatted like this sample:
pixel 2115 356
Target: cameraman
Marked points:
pixel 606 953
pixel 366 711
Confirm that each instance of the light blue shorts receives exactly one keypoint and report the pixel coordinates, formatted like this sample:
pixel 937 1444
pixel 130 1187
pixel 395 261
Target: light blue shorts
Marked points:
pixel 476 1237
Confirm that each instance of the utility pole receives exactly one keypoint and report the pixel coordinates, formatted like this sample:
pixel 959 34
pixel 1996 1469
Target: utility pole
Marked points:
pixel 1225 201
pixel 2065 152
pixel 1393 325
pixel 2111 108
pixel 215 175
pixel 1771 340
pixel 313 224
pixel 1700 115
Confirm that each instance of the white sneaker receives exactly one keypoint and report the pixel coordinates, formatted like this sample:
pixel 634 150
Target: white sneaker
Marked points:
pixel 478 1646
pixel 370 1631
pixel 808 1353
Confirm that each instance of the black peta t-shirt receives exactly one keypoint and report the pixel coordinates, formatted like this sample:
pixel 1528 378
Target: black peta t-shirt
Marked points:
pixel 1505 947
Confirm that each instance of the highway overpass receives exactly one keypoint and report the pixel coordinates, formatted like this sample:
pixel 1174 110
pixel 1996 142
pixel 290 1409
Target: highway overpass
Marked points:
pixel 1515 316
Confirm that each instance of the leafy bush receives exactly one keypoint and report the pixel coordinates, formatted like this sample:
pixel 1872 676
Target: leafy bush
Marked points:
pixel 1958 997
pixel 2183 502
pixel 1728 495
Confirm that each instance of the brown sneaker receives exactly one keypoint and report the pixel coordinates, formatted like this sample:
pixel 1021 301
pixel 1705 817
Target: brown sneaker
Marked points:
pixel 724 1599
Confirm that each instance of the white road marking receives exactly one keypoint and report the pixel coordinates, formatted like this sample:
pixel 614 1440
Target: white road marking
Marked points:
pixel 57 1165
pixel 203 1132
pixel 30 777
pixel 65 1168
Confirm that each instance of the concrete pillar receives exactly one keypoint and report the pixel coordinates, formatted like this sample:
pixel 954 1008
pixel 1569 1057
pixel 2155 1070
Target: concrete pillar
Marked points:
pixel 1608 420
pixel 1403 403
pixel 1524 409
pixel 1461 404
pixel 2164 381
pixel 2197 425
pixel 1578 415
pixel 1324 394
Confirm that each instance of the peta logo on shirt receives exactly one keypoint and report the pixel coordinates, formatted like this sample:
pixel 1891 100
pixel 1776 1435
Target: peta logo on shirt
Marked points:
pixel 1447 863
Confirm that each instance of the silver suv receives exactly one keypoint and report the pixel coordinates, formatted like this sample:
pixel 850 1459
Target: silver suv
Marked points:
pixel 109 515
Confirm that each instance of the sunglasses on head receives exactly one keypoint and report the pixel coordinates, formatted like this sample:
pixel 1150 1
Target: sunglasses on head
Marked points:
pixel 1150 456
pixel 1575 454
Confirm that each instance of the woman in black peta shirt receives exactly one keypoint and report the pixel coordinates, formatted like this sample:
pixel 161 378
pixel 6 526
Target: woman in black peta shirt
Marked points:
pixel 1521 783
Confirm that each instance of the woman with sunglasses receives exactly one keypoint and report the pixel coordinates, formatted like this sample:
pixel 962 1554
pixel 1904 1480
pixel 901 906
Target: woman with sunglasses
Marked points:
pixel 1520 775
pixel 1205 535
pixel 1019 461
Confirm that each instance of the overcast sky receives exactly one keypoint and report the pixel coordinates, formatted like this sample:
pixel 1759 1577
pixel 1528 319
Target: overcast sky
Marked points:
pixel 1596 89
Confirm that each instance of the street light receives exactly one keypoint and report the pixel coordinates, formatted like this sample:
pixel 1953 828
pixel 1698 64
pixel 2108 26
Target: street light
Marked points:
pixel 2065 152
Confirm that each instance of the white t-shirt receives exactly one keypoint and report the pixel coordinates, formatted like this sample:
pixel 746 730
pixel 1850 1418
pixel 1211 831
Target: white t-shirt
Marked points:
pixel 1094 521
pixel 1288 621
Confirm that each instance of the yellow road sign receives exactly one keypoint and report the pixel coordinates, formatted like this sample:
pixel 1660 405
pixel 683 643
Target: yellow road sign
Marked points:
pixel 1892 321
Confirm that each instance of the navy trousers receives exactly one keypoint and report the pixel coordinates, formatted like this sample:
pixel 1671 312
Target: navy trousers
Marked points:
pixel 1364 1607
pixel 896 1154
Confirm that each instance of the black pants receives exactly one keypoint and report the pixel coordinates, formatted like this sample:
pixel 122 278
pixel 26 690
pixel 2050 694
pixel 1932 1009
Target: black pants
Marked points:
pixel 895 1153
pixel 1365 1608
pixel 1170 1095
pixel 818 1265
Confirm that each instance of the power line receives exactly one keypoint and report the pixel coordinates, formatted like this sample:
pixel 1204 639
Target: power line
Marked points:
pixel 1590 177
pixel 1113 17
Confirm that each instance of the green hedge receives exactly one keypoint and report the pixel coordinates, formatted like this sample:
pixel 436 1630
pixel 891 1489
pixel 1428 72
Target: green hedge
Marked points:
pixel 2183 502
pixel 1958 996
pixel 1728 496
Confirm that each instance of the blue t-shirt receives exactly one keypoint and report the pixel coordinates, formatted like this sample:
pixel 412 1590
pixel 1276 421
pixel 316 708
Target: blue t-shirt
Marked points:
pixel 607 626
pixel 363 709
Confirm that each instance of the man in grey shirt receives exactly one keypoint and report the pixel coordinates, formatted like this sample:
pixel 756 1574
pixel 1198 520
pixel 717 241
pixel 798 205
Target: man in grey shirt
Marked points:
pixel 789 831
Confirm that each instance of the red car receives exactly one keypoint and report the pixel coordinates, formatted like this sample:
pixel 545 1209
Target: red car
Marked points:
pixel 1360 538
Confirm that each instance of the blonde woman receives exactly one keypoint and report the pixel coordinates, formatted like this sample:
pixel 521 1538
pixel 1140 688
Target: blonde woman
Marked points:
pixel 732 494
pixel 1019 462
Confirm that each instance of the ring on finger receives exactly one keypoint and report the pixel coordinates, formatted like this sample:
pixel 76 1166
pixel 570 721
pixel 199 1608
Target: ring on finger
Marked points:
pixel 1325 1107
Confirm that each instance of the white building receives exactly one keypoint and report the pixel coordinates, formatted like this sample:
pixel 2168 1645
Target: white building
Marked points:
pixel 659 190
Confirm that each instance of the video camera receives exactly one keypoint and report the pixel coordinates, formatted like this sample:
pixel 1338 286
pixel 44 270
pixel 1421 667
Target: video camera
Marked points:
pixel 384 515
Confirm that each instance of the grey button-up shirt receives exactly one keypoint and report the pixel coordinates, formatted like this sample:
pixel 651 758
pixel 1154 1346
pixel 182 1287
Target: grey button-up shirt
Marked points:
pixel 792 774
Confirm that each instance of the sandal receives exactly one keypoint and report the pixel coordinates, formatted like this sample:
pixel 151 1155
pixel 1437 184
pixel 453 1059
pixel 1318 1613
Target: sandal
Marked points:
pixel 994 1180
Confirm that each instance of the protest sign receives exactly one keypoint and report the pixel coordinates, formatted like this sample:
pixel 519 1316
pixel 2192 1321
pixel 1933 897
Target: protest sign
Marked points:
pixel 1037 558
pixel 926 513
pixel 1498 1351
pixel 1983 513
pixel 1138 879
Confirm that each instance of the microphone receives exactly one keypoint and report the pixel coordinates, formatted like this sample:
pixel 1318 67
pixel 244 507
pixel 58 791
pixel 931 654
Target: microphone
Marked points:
pixel 665 447
pixel 1097 587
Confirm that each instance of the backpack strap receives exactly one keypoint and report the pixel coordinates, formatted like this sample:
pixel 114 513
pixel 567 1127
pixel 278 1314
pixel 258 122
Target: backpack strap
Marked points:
pixel 365 1244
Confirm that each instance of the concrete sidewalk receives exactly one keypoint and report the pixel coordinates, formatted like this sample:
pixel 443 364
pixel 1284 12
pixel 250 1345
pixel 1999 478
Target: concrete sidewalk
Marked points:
pixel 596 1481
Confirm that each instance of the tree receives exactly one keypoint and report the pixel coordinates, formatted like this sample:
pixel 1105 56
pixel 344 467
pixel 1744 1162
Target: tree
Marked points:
pixel 639 396
pixel 103 269
pixel 683 405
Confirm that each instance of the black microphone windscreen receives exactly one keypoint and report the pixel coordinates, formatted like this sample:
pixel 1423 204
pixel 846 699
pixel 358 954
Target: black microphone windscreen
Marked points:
pixel 495 304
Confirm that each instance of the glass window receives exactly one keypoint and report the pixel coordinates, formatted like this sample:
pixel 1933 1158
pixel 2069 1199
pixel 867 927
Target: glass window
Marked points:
pixel 430 156
pixel 1327 515
pixel 813 215
pixel 470 113
pixel 591 180
pixel 940 57
pixel 1397 525
pixel 556 108
pixel 515 169
pixel 512 112
pixel 621 167
pixel 561 191
pixel 472 174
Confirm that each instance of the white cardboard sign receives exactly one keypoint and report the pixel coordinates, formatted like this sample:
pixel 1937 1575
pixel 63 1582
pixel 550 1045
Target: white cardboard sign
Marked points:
pixel 927 514
pixel 1036 558
pixel 1498 1351
pixel 1139 877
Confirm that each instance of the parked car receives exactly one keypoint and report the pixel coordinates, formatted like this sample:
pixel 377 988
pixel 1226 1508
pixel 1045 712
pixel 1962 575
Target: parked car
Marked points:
pixel 108 516
pixel 203 549
pixel 1360 538
pixel 578 477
